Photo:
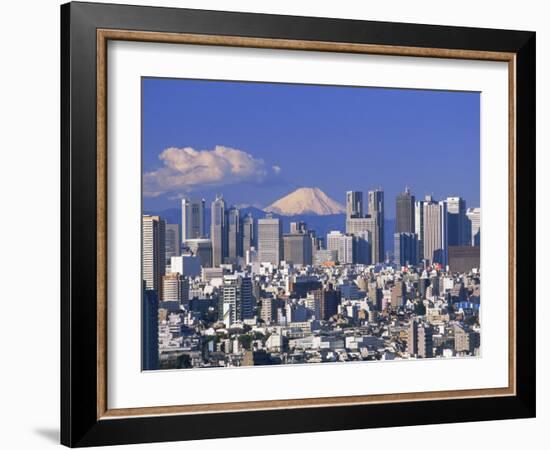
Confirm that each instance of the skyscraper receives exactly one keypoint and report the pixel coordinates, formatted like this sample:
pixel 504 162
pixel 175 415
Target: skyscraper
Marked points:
pixel 149 330
pixel 369 228
pixel 298 227
pixel 153 261
pixel 420 339
pixel 234 234
pixel 405 248
pixel 218 231
pixel 363 250
pixel 398 295
pixel 346 249
pixel 376 211
pixel 458 226
pixel 419 227
pixel 297 248
pixel 435 231
pixel 328 299
pixel 404 212
pixel 175 288
pixel 354 204
pixel 192 219
pixel 473 216
pixel 202 248
pixel 270 242
pixel 172 240
pixel 236 301
pixel 248 233
pixel 333 240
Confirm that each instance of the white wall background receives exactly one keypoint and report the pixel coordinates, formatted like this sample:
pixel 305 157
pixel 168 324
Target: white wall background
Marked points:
pixel 29 237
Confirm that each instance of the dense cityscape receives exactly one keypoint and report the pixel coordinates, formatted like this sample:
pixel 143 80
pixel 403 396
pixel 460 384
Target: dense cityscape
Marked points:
pixel 243 291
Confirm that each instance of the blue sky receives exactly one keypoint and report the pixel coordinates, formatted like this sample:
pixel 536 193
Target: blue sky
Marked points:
pixel 256 142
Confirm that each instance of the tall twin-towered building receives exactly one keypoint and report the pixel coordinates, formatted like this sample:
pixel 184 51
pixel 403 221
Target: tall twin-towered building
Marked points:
pixel 369 226
pixel 354 204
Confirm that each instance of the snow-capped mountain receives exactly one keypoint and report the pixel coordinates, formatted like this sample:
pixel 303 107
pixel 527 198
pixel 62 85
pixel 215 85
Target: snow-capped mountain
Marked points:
pixel 306 200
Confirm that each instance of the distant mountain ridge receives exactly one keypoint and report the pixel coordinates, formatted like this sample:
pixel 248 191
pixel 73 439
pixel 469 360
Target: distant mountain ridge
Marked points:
pixel 306 201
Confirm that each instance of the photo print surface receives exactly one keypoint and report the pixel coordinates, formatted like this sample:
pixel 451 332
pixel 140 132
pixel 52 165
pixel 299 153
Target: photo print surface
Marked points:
pixel 296 224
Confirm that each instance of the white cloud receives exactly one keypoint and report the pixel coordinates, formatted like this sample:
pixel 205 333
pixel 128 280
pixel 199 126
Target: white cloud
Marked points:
pixel 187 169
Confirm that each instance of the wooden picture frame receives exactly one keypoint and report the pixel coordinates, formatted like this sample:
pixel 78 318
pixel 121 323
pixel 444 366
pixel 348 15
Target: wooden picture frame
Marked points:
pixel 86 418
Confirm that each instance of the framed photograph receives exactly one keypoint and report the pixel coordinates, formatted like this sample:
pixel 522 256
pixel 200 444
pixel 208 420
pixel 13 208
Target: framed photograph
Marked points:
pixel 276 224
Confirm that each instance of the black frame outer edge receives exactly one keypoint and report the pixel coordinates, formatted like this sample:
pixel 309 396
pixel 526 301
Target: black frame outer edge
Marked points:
pixel 79 426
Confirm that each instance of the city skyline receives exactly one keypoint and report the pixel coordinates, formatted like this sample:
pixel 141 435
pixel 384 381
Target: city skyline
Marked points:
pixel 382 137
pixel 292 224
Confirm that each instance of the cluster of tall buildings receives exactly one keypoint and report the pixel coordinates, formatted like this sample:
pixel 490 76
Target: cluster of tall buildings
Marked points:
pixel 426 229
pixel 366 227
pixel 241 270
pixel 236 238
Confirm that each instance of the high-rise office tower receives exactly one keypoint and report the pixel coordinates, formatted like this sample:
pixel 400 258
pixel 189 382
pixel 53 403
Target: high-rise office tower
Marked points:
pixel 466 340
pixel 398 295
pixel 419 227
pixel 420 339
pixel 375 296
pixel 236 301
pixel 369 227
pixel 297 248
pixel 354 204
pixel 405 247
pixel 234 234
pixel 404 212
pixel 298 244
pixel 435 231
pixel 202 248
pixel 298 228
pixel 346 249
pixel 458 230
pixel 376 211
pixel 248 300
pixel 172 240
pixel 218 231
pixel 270 242
pixel 248 233
pixel 192 219
pixel 187 264
pixel 474 218
pixel 175 288
pixel 149 330
pixel 268 310
pixel 363 250
pixel 153 260
pixel 329 299
pixel 333 240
